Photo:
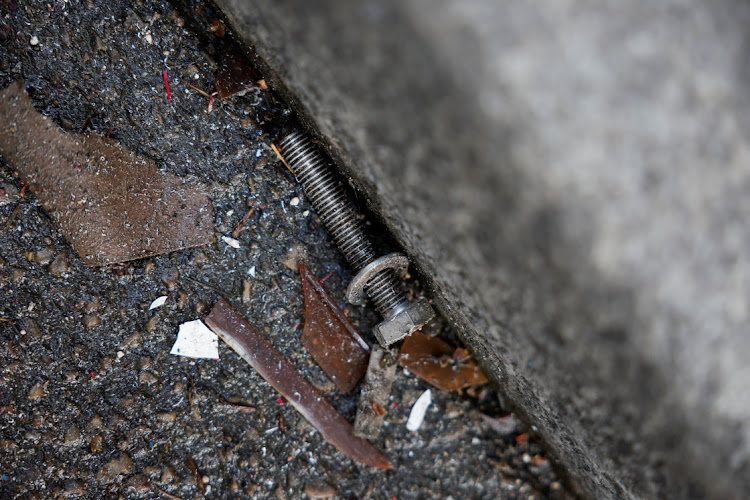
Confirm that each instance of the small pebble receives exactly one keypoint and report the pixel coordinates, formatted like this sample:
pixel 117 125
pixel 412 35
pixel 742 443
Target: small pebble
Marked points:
pixel 71 435
pixel 120 354
pixel 294 201
pixel 115 467
pixel 90 321
pixel 37 391
pixel 60 265
pixel 151 324
pixel 246 290
pixel 231 242
pixel 96 443
pixel 44 256
pixel 95 423
pixel 320 490
pixel 167 474
pixel 92 306
pixel 170 277
pixel 34 41
pixel 147 378
pixel 168 416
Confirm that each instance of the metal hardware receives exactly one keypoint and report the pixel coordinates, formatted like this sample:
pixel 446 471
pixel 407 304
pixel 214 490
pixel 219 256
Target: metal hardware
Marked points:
pixel 377 277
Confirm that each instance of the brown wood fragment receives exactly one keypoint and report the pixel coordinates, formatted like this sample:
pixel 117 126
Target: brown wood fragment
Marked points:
pixel 241 224
pixel 373 401
pixel 112 205
pixel 332 340
pixel 439 363
pixel 279 372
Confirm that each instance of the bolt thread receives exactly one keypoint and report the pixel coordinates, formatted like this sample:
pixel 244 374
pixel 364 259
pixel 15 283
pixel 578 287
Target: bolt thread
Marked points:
pixel 330 202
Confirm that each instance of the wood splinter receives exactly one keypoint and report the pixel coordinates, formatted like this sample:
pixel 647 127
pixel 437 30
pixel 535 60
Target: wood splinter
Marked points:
pixel 279 372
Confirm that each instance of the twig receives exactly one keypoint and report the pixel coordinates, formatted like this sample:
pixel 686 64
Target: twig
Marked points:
pixel 238 228
pixel 18 206
pixel 239 406
pixel 199 90
pixel 198 475
pixel 278 153
pixel 86 123
pixel 168 495
pixel 205 285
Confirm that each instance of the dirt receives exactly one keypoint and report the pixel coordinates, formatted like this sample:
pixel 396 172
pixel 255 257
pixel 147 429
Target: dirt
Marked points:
pixel 91 402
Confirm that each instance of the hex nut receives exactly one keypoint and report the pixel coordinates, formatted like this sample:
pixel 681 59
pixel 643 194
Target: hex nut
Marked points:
pixel 404 322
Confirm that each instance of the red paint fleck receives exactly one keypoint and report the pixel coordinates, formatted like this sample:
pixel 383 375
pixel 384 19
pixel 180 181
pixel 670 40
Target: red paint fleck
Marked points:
pixel 324 278
pixel 2 190
pixel 166 85
pixel 280 401
pixel 78 167
pixel 394 404
pixel 92 373
pixel 522 437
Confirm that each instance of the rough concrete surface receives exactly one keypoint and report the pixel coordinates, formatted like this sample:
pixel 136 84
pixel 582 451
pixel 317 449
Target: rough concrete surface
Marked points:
pixel 572 178
pixel 92 405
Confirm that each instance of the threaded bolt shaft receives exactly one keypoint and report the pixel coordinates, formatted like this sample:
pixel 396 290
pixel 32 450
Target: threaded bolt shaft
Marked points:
pixel 332 205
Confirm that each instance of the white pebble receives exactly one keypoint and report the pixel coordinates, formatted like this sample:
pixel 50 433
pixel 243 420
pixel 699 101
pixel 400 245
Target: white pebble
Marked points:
pixel 149 39
pixel 306 213
pixel 418 411
pixel 231 242
pixel 34 40
pixel 294 201
pixel 120 354
pixel 252 271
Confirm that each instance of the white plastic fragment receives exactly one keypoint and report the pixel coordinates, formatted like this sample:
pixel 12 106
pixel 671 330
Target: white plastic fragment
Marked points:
pixel 418 411
pixel 252 271
pixel 195 340
pixel 294 201
pixel 158 302
pixel 231 242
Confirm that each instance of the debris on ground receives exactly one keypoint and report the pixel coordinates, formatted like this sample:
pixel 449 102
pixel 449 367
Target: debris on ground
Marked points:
pixel 112 205
pixel 504 425
pixel 231 241
pixel 157 302
pixel 279 372
pixel 439 363
pixel 195 340
pixel 418 411
pixel 376 391
pixel 332 340
pixel 235 76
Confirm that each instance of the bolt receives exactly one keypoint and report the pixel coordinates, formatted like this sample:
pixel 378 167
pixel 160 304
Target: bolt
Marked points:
pixel 376 277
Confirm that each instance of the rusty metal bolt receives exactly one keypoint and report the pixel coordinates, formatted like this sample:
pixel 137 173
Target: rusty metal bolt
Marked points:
pixel 376 277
